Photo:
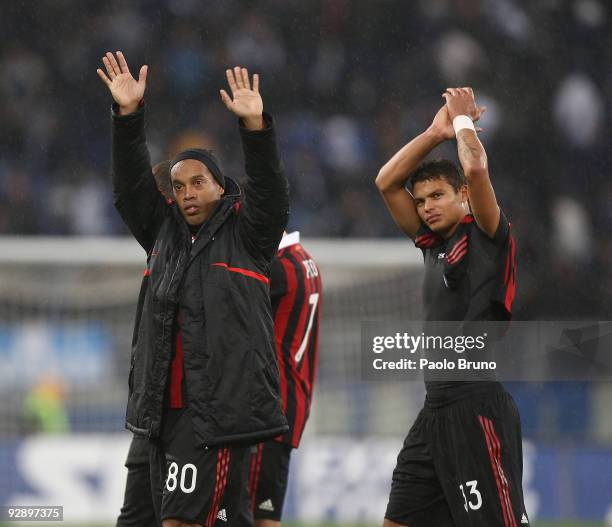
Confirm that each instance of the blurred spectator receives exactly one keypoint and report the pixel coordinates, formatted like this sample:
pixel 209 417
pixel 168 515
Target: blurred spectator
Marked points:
pixel 579 110
pixel 44 410
pixel 571 234
pixel 254 44
pixel 459 55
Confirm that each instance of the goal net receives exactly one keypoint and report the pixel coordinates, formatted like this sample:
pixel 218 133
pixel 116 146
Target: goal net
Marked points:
pixel 66 318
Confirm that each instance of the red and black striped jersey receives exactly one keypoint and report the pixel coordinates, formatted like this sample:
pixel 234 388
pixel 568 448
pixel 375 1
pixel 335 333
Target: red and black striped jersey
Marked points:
pixel 295 292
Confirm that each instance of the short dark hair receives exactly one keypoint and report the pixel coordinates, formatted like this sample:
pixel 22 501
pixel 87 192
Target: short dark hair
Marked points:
pixel 438 169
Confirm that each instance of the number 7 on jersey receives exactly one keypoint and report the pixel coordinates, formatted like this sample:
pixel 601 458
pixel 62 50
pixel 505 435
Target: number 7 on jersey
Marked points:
pixel 313 301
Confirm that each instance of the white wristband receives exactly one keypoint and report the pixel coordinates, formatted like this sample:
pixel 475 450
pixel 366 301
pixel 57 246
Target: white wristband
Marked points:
pixel 461 122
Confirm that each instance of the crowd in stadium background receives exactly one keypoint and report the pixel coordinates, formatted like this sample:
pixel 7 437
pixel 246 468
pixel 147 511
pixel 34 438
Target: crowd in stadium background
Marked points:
pixel 349 82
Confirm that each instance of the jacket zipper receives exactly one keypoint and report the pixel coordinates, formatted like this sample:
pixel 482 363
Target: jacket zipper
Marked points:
pixel 176 268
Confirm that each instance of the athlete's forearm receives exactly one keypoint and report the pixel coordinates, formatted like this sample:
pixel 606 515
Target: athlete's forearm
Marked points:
pixel 392 177
pixel 482 198
pixel 472 155
pixel 394 174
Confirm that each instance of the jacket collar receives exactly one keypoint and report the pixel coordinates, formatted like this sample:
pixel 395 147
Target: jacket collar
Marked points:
pixel 207 232
pixel 232 189
pixel 224 208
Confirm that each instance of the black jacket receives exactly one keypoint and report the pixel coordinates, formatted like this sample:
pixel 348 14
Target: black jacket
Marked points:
pixel 218 287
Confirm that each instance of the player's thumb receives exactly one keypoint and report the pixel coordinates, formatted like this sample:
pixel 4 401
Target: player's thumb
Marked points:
pixel 226 99
pixel 142 75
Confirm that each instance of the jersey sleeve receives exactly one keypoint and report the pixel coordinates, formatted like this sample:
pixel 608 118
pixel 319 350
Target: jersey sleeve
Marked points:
pixel 501 234
pixel 506 274
pixel 503 229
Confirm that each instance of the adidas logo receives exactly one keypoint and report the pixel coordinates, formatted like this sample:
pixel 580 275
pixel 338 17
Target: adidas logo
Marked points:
pixel 524 520
pixel 222 515
pixel 266 506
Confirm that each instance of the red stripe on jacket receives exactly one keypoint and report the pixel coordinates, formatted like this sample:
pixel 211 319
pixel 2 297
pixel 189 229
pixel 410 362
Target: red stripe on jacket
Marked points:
pixel 245 272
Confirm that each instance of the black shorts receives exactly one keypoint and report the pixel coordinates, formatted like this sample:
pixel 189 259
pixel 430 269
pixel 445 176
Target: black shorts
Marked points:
pixel 268 479
pixel 137 507
pixel 207 486
pixel 462 465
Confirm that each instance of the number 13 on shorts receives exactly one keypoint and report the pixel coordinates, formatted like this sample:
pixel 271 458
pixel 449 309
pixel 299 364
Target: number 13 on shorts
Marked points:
pixel 473 501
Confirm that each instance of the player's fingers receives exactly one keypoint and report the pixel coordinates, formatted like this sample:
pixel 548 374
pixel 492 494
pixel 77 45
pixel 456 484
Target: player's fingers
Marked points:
pixel 122 63
pixel 238 77
pixel 142 74
pixel 231 80
pixel 451 91
pixel 245 78
pixel 479 111
pixel 103 76
pixel 226 99
pixel 113 63
pixel 478 129
pixel 446 96
pixel 256 83
pixel 109 68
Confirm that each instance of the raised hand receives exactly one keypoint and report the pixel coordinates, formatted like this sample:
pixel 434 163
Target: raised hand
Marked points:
pixel 461 101
pixel 442 124
pixel 246 103
pixel 127 91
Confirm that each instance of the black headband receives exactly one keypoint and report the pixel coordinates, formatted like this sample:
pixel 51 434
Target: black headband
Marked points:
pixel 204 156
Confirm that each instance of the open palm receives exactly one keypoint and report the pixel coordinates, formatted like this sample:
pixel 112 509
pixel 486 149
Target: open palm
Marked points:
pixel 245 102
pixel 126 91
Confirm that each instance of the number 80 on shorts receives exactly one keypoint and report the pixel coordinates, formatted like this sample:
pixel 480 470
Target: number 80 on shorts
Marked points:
pixel 187 480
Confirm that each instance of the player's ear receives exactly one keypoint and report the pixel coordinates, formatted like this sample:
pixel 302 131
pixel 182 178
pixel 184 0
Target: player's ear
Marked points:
pixel 221 190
